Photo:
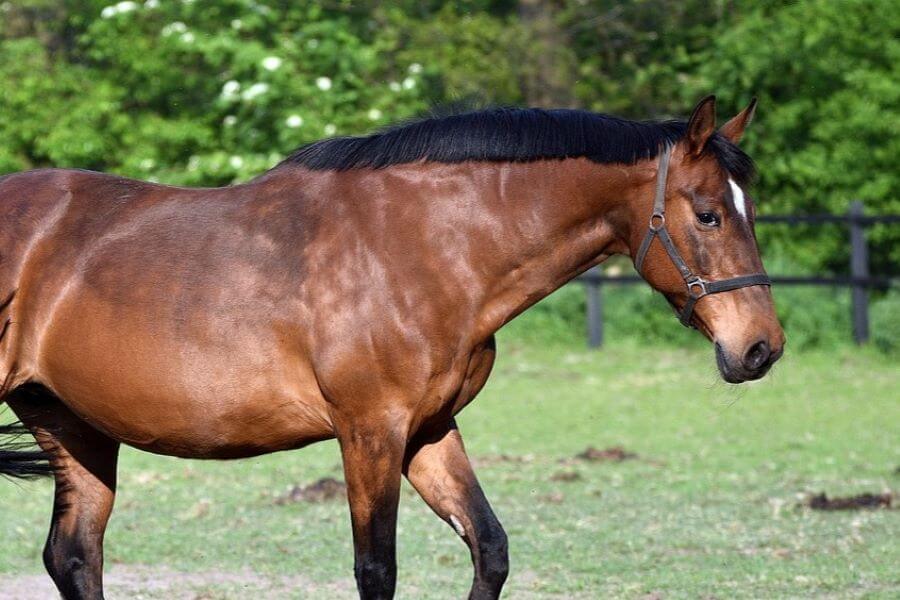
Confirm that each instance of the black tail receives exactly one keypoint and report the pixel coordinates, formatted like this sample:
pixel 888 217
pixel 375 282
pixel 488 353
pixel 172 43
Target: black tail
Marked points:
pixel 18 458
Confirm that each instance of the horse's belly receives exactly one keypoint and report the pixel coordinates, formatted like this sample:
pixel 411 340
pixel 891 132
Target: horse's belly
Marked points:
pixel 200 417
pixel 179 392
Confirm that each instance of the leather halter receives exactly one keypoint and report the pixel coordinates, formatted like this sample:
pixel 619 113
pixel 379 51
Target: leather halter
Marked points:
pixel 697 287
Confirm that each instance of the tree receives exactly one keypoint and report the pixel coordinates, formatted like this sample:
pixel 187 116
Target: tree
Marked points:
pixel 828 127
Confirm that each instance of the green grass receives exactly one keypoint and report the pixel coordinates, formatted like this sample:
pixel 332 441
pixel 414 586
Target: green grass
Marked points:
pixel 709 510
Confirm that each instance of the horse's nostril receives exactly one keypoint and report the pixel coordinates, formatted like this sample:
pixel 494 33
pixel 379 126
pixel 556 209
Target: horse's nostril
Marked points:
pixel 757 356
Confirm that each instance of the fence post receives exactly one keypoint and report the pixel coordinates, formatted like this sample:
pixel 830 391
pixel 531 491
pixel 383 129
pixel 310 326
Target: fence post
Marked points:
pixel 859 268
pixel 594 311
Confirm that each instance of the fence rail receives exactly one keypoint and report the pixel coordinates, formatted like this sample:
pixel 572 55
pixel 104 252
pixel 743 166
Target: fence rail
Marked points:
pixel 859 281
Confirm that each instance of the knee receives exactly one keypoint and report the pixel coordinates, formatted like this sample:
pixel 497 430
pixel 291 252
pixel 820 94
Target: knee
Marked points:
pixel 375 578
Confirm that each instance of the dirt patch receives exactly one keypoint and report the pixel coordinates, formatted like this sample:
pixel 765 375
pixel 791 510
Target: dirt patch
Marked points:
pixel 497 459
pixel 566 476
pixel 157 583
pixel 611 454
pixel 323 490
pixel 554 498
pixel 858 502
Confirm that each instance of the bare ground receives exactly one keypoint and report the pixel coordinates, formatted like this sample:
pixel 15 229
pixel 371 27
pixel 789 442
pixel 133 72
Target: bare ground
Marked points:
pixel 151 583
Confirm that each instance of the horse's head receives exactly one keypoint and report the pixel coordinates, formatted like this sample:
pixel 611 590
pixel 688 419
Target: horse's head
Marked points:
pixel 699 248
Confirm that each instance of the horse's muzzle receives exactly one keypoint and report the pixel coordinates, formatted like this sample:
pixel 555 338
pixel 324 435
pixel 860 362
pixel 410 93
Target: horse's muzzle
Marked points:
pixel 754 363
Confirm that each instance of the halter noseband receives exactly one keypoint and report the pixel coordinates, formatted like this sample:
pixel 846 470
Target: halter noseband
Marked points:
pixel 697 287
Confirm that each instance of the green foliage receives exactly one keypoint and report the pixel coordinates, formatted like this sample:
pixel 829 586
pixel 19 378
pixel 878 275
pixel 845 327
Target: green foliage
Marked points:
pixel 195 93
pixel 828 130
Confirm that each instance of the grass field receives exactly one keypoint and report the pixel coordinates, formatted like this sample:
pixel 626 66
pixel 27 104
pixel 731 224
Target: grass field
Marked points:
pixel 709 509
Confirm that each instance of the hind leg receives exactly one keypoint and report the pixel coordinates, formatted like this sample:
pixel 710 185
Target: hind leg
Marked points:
pixel 84 463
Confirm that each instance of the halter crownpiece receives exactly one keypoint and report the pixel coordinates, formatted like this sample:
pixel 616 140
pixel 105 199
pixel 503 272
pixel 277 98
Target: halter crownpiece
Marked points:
pixel 697 287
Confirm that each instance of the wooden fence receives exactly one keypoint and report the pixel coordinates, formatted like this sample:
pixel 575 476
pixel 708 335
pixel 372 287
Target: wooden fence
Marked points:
pixel 859 280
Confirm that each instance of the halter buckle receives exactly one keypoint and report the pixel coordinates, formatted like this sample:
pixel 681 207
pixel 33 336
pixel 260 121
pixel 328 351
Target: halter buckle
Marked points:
pixel 697 283
pixel 662 221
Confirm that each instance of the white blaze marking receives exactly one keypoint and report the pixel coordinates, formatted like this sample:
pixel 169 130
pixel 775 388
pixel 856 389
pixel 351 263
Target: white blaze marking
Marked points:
pixel 739 202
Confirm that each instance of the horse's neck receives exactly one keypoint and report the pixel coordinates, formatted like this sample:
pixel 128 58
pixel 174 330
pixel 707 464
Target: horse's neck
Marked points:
pixel 503 235
pixel 556 220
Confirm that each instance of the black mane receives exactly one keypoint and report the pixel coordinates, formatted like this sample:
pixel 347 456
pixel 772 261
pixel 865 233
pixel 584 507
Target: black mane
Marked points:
pixel 514 135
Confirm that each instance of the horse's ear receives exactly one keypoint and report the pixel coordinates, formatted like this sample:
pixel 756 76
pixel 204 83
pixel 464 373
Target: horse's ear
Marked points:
pixel 734 129
pixel 702 125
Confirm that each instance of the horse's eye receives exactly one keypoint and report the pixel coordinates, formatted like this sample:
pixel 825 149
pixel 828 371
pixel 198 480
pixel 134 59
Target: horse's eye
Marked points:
pixel 708 218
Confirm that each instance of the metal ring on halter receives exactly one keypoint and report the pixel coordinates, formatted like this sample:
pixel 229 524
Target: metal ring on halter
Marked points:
pixel 697 282
pixel 662 221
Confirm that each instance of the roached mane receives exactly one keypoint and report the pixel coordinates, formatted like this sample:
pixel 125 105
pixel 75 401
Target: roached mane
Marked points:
pixel 514 135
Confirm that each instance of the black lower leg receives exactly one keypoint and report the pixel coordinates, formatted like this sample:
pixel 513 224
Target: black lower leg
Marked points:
pixel 84 468
pixel 490 552
pixel 372 467
pixel 376 564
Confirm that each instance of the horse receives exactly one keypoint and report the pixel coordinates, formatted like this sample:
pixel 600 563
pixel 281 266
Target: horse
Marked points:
pixel 353 292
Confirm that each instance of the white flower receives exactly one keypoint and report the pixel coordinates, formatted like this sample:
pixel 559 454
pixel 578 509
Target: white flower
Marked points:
pixel 294 121
pixel 323 83
pixel 120 8
pixel 230 89
pixel 255 90
pixel 330 129
pixel 409 83
pixel 236 162
pixel 271 63
pixel 415 68
pixel 374 114
pixel 237 24
pixel 395 86
pixel 176 27
pixel 187 37
pixel 229 121
pixel 151 4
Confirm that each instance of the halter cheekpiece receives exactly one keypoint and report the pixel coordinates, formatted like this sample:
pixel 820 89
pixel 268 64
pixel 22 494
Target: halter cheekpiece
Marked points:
pixel 697 287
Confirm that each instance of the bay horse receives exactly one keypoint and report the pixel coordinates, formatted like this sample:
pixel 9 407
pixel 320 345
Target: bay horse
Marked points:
pixel 351 292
